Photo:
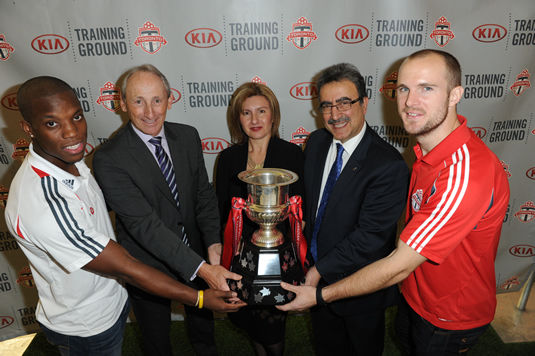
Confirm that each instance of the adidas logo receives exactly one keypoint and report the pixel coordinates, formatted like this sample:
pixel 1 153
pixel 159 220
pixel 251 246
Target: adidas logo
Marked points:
pixel 69 183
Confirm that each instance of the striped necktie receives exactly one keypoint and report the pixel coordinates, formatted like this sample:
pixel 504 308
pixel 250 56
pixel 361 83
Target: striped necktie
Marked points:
pixel 329 185
pixel 168 173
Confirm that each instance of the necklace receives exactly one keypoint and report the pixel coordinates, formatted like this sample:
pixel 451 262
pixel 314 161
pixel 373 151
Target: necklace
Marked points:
pixel 253 164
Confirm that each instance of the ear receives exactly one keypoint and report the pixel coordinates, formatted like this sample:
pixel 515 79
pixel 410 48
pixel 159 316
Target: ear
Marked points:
pixel 365 105
pixel 169 101
pixel 26 127
pixel 455 95
pixel 123 105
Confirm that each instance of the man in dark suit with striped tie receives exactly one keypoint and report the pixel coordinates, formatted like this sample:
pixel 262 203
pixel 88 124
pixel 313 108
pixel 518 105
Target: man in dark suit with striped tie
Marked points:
pixel 153 176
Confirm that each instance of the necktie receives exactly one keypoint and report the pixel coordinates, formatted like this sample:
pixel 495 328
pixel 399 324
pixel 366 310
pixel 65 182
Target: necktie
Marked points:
pixel 168 173
pixel 331 180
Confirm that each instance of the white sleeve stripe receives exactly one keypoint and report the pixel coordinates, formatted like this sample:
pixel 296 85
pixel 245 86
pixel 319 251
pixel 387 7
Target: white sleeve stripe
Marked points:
pixel 460 173
pixel 65 220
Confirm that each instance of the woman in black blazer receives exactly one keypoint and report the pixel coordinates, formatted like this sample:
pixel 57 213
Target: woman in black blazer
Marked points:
pixel 254 118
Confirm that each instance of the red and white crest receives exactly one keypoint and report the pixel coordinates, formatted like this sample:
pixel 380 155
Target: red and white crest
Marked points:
pixel 258 80
pixel 442 33
pixel 4 192
pixel 149 38
pixel 26 278
pixel 506 169
pixel 20 150
pixel 522 83
pixel 416 200
pixel 510 283
pixel 300 136
pixel 110 97
pixel 389 87
pixel 526 212
pixel 302 34
pixel 5 48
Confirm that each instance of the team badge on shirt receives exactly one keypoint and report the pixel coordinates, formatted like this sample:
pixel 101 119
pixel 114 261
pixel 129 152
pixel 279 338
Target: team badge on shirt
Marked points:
pixel 417 200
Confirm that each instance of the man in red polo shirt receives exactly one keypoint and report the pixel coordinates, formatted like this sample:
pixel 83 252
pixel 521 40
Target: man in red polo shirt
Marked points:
pixel 457 200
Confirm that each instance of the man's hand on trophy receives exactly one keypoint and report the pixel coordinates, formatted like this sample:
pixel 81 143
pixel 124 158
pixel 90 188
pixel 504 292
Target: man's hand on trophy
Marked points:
pixel 216 277
pixel 305 297
pixel 216 300
pixel 313 277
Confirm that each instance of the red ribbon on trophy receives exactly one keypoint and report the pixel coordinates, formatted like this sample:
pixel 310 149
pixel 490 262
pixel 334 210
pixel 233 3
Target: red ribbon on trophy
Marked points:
pixel 296 224
pixel 234 229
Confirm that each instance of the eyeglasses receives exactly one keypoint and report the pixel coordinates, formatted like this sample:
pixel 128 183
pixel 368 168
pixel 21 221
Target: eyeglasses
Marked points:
pixel 341 106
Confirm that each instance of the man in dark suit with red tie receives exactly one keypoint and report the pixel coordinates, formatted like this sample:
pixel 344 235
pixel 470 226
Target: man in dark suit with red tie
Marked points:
pixel 356 187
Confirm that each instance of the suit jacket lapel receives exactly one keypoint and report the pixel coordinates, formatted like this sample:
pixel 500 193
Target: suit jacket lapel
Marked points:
pixel 141 154
pixel 321 157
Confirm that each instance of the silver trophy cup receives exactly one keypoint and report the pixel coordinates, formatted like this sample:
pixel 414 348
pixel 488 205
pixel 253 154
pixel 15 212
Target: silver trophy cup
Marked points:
pixel 267 257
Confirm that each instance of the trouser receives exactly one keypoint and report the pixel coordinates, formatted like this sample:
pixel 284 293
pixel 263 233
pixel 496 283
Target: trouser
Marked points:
pixel 153 315
pixel 420 337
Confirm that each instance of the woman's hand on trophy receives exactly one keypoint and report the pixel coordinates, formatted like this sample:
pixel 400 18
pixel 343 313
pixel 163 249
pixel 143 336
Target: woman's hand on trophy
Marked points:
pixel 216 300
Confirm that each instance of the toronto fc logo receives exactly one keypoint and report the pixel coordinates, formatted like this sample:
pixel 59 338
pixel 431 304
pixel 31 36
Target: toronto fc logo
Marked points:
pixel 510 283
pixel 389 87
pixel 149 38
pixel 5 48
pixel 506 169
pixel 110 97
pixel 258 80
pixel 417 200
pixel 526 212
pixel 299 137
pixel 521 84
pixel 4 193
pixel 302 34
pixel 442 33
pixel 26 278
pixel 20 150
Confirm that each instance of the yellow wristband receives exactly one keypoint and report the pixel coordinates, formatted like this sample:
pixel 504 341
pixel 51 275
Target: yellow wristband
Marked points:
pixel 201 299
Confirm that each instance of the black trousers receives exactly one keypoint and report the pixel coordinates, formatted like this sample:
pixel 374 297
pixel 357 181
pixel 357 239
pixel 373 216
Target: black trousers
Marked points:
pixel 348 335
pixel 153 315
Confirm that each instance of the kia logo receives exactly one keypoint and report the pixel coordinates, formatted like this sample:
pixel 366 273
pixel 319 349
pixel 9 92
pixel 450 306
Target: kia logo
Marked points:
pixel 479 131
pixel 5 321
pixel 203 38
pixel 531 173
pixel 50 44
pixel 213 145
pixel 10 102
pixel 175 95
pixel 489 33
pixel 352 34
pixel 522 251
pixel 88 149
pixel 304 91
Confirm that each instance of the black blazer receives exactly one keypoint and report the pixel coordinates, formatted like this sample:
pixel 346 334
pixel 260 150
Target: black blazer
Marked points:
pixel 360 221
pixel 233 160
pixel 148 221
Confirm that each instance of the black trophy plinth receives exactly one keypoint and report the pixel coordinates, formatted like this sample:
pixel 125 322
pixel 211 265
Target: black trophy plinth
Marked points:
pixel 262 269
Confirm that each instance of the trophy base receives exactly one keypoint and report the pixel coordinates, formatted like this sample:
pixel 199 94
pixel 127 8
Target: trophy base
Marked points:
pixel 262 269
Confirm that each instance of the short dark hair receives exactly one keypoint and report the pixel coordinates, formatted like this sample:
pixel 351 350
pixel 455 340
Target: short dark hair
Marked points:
pixel 453 68
pixel 340 72
pixel 245 91
pixel 36 88
pixel 147 68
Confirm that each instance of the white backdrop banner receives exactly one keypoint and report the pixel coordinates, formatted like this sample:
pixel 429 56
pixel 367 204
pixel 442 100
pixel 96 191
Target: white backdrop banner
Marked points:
pixel 207 48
